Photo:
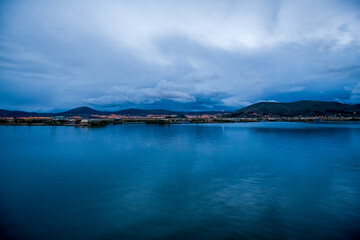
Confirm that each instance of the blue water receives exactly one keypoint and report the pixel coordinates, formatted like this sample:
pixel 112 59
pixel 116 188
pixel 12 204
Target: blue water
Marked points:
pixel 210 181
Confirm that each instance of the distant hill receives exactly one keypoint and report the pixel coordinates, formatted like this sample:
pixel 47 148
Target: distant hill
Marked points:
pixel 81 111
pixel 127 112
pixel 86 112
pixel 6 113
pixel 304 108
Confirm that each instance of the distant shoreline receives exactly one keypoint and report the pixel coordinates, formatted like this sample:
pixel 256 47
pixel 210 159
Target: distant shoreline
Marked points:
pixel 162 121
pixel 304 108
pixel 300 111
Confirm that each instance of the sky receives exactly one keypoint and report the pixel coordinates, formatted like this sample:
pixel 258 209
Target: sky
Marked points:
pixel 180 55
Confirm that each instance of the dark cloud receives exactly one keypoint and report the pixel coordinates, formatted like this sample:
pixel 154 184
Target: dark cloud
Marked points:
pixel 183 55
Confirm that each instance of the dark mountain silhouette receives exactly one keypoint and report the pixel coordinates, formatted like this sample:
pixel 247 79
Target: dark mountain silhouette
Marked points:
pixel 86 112
pixel 81 111
pixel 6 113
pixel 304 108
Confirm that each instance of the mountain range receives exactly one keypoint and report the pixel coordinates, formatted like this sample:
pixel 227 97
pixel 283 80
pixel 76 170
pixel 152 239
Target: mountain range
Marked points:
pixel 304 108
pixel 86 111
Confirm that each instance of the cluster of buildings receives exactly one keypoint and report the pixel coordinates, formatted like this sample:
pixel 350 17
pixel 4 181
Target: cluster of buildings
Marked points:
pixel 102 120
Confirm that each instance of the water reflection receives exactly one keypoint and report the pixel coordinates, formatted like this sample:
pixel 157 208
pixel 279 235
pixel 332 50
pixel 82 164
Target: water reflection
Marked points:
pixel 215 181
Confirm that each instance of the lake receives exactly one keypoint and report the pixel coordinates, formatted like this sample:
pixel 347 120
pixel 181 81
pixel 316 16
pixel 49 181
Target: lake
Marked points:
pixel 265 180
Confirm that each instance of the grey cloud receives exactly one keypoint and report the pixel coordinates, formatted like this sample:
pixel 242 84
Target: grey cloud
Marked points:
pixel 197 54
pixel 163 90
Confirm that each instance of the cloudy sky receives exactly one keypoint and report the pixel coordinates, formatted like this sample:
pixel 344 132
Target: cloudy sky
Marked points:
pixel 184 55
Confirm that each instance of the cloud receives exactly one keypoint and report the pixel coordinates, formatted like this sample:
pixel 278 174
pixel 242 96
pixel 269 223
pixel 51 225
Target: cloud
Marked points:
pixel 227 25
pixel 217 54
pixel 292 89
pixel 235 102
pixel 164 90
pixel 354 94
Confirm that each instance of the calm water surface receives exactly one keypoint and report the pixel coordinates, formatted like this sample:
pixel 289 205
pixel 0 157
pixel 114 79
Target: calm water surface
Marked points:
pixel 211 181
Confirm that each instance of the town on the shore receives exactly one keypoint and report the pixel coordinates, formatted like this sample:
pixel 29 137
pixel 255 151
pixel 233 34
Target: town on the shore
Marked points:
pixel 97 121
pixel 300 111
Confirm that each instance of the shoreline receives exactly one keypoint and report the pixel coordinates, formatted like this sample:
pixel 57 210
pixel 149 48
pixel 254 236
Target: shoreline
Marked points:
pixel 167 121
